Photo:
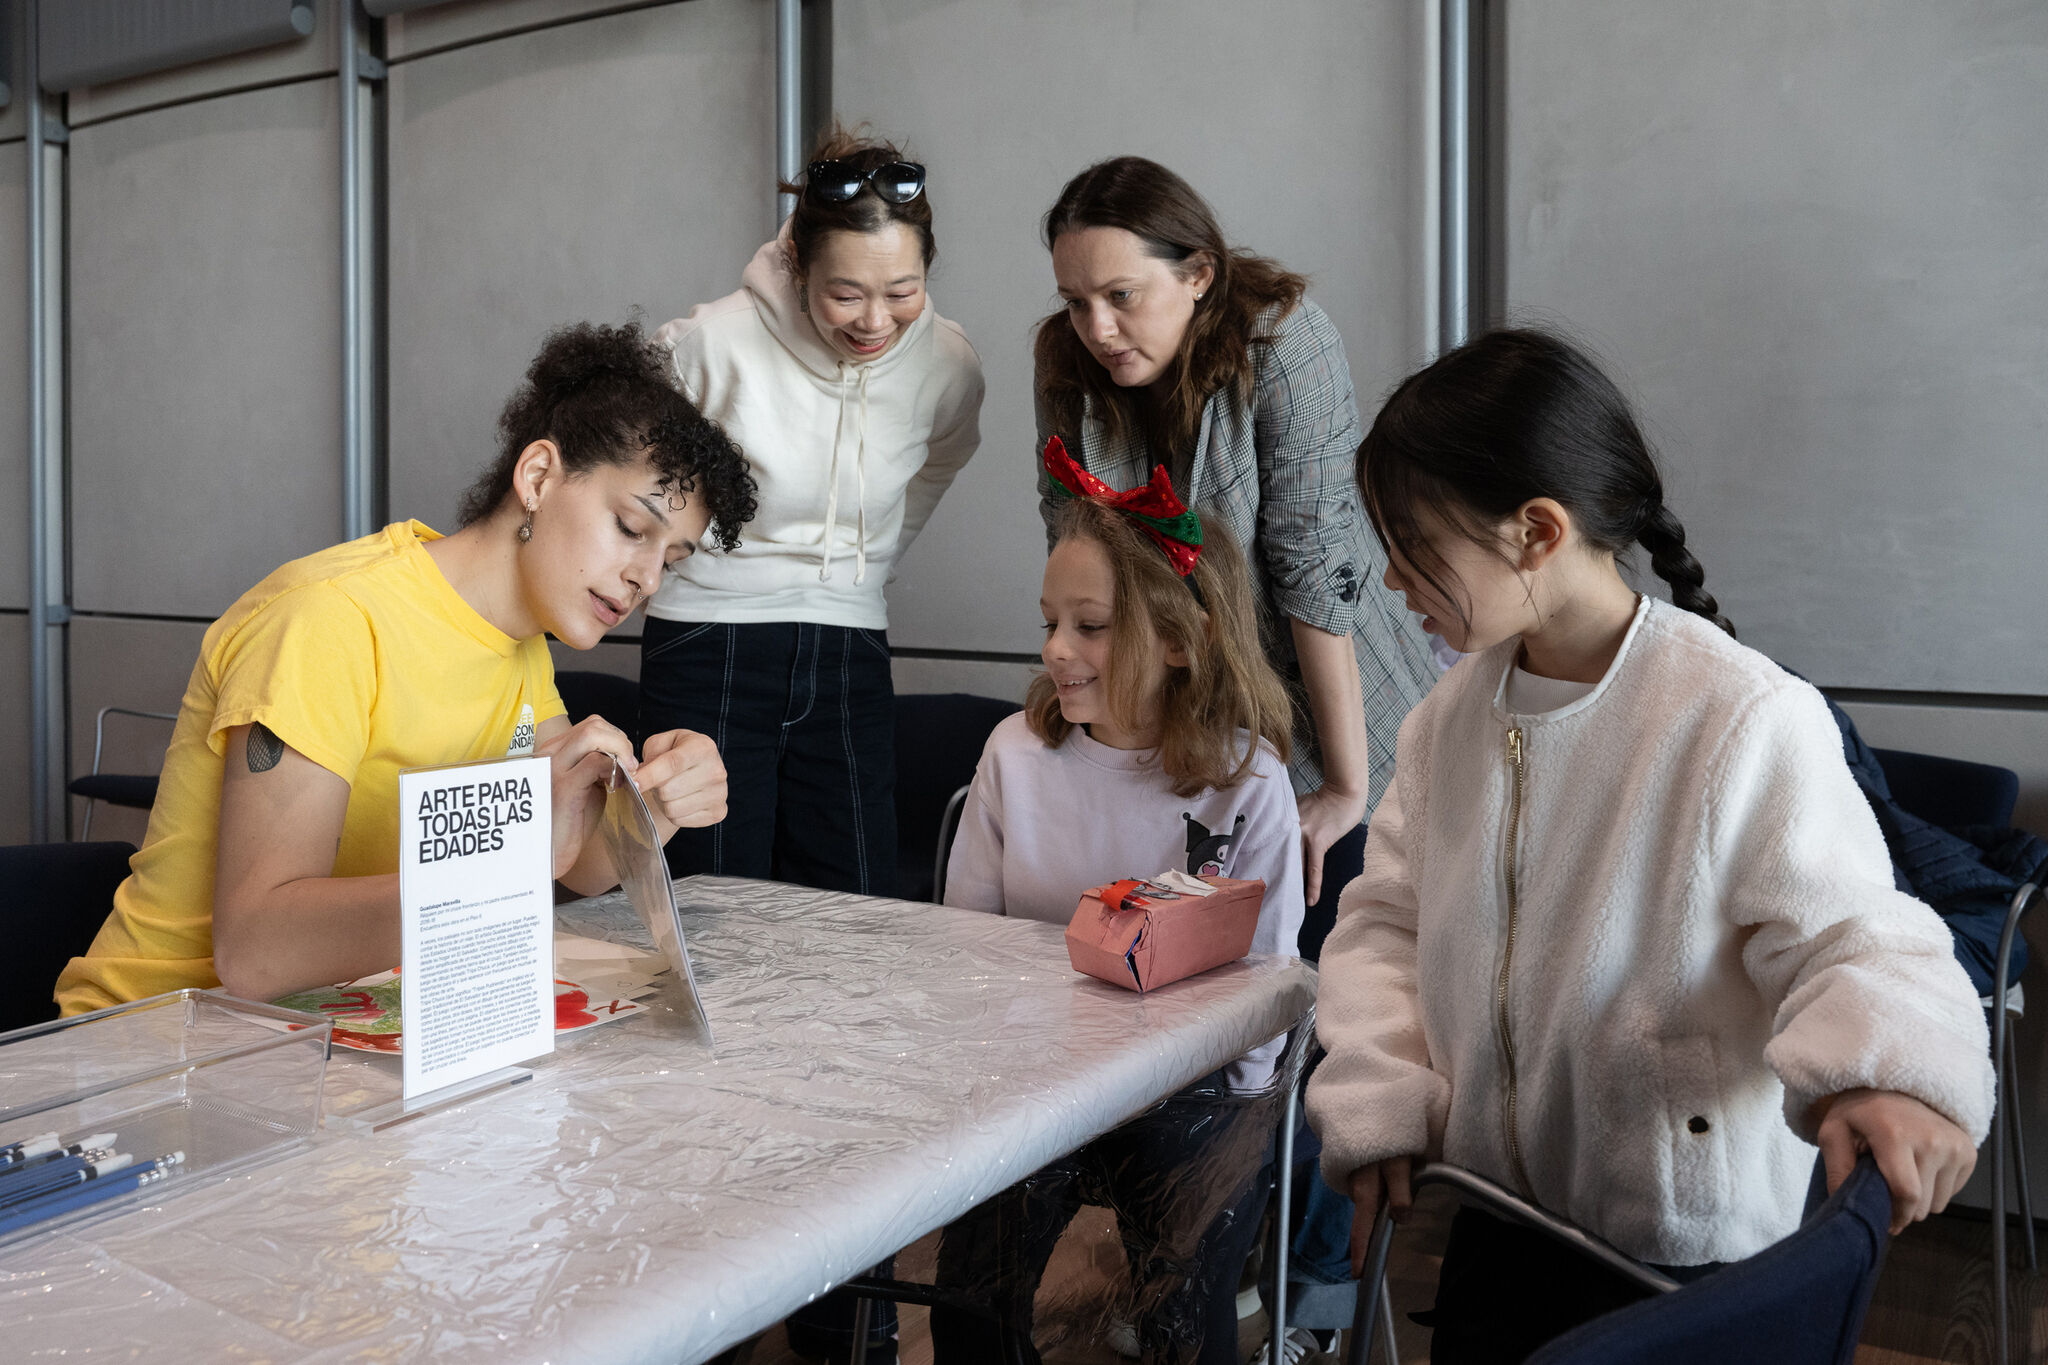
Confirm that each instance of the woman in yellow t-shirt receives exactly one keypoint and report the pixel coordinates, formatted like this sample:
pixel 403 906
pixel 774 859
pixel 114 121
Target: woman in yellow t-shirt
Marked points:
pixel 271 860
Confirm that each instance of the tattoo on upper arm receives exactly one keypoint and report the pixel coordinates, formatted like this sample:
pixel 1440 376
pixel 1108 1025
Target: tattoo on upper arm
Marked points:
pixel 266 750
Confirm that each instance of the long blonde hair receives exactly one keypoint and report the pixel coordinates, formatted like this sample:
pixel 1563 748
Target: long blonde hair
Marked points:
pixel 1227 685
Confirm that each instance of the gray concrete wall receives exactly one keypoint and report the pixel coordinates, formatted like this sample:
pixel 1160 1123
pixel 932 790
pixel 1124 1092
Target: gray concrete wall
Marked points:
pixel 14 732
pixel 205 347
pixel 566 173
pixel 1322 168
pixel 1801 234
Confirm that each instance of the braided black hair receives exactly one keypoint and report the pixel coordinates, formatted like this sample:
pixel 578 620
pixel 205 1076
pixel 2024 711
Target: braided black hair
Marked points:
pixel 1516 414
pixel 603 396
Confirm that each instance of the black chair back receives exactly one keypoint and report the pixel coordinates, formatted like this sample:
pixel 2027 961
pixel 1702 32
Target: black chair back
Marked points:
pixel 615 698
pixel 55 898
pixel 939 738
pixel 1800 1301
pixel 1950 792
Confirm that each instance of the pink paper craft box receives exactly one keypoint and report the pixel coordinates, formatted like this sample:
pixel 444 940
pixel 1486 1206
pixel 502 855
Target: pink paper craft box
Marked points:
pixel 1140 935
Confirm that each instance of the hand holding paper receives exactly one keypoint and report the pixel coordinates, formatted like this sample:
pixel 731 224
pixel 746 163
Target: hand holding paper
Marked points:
pixel 683 779
pixel 580 766
pixel 632 837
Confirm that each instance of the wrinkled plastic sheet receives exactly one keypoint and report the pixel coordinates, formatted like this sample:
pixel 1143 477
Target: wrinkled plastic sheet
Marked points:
pixel 880 1067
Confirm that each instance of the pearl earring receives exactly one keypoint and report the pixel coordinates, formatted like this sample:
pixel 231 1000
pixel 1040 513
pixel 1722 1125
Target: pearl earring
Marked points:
pixel 526 529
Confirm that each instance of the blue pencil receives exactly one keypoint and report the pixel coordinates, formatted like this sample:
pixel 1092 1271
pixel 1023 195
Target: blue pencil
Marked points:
pixel 18 1216
pixel 39 1159
pixel 71 1170
pixel 28 1147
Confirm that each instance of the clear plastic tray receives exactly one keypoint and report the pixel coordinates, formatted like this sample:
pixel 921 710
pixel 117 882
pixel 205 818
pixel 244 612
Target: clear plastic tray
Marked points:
pixel 227 1082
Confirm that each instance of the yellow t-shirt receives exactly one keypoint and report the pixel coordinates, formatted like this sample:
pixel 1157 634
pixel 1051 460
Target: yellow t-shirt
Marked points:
pixel 363 658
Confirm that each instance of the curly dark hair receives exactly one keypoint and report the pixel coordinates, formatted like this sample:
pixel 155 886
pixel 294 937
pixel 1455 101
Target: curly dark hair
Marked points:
pixel 602 394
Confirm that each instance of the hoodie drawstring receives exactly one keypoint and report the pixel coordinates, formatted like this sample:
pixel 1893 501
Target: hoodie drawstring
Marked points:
pixel 860 482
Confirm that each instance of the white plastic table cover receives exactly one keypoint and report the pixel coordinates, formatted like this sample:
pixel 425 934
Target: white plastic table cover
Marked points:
pixel 879 1067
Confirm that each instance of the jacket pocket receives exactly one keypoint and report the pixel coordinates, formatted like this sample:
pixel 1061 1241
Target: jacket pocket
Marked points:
pixel 1694 1114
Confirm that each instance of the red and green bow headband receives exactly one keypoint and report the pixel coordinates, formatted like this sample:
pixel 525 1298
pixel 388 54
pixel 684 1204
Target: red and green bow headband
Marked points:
pixel 1155 507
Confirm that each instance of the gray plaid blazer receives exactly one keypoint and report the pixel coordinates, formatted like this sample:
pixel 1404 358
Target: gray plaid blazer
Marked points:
pixel 1279 475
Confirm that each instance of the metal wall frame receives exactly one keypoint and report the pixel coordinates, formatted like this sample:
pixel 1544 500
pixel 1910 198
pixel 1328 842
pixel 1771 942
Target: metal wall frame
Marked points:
pixel 362 490
pixel 48 602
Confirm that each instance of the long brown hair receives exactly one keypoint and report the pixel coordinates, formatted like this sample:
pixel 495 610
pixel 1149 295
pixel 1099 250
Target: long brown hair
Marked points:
pixel 813 219
pixel 1175 225
pixel 1227 685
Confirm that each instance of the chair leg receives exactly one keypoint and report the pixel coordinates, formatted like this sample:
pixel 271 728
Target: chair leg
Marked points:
pixel 2015 1106
pixel 2001 1041
pixel 1372 1286
pixel 85 834
pixel 1393 1355
pixel 861 1309
pixel 1016 1344
pixel 1283 1219
pixel 1999 1128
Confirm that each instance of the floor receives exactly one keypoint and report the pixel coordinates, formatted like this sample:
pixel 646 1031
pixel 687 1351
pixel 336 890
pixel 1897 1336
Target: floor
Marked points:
pixel 1932 1303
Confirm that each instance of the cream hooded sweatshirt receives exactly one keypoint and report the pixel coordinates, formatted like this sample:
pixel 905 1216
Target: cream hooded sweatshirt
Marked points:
pixel 1702 940
pixel 851 457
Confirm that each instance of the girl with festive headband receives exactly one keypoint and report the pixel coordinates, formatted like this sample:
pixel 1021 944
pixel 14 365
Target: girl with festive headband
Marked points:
pixel 1156 739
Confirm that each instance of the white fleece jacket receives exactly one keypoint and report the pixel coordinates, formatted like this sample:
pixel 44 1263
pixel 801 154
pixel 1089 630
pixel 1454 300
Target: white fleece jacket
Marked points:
pixel 1707 941
pixel 851 457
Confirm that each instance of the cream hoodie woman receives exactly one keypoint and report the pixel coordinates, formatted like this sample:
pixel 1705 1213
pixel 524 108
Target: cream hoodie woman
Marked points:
pixel 851 458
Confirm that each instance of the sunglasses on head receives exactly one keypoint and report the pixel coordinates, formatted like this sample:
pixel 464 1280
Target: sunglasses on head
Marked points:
pixel 835 182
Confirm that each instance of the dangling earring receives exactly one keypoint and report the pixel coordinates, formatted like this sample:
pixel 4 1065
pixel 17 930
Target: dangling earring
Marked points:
pixel 526 528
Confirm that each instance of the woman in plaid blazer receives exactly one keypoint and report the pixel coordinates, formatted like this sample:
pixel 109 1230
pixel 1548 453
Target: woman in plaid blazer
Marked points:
pixel 1174 348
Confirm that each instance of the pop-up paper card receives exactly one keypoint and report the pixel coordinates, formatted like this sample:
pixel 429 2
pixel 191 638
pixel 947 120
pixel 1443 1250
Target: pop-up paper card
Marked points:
pixel 636 856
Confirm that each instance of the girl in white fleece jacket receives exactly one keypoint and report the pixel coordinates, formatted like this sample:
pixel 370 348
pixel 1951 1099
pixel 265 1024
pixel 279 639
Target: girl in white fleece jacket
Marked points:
pixel 856 405
pixel 1626 939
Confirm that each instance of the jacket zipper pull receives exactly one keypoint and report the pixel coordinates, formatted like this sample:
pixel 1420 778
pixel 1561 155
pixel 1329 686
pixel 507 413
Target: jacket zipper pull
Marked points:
pixel 1502 1021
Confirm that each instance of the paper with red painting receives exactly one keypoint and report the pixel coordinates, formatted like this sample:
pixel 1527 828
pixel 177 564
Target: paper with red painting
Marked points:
pixel 368 1018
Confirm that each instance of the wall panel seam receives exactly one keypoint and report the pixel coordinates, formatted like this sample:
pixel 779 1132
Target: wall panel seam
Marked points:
pixel 80 613
pixel 539 26
pixel 250 88
pixel 1979 701
pixel 967 656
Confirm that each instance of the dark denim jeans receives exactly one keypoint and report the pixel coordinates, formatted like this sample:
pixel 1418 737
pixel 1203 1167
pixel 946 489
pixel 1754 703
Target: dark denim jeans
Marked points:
pixel 805 718
pixel 1321 1250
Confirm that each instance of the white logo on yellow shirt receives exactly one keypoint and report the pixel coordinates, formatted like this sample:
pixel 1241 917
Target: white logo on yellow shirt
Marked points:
pixel 522 734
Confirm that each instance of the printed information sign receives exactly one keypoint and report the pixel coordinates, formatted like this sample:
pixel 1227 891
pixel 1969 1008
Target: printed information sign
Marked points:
pixel 475 881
